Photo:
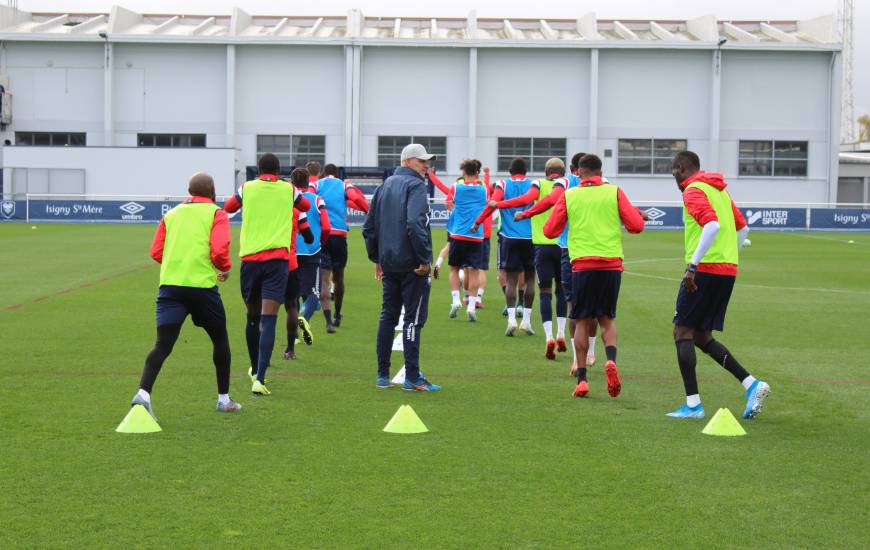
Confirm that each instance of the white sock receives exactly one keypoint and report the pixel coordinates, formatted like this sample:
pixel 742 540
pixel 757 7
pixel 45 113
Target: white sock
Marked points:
pixel 224 398
pixel 455 295
pixel 480 293
pixel 747 382
pixel 693 400
pixel 560 323
pixel 591 346
pixel 144 395
pixel 471 301
pixel 548 330
pixel 512 315
pixel 527 316
pixel 461 274
pixel 439 261
pixel 573 350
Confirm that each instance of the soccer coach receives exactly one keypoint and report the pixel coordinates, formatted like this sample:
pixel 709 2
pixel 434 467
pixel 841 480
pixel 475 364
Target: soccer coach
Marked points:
pixel 399 241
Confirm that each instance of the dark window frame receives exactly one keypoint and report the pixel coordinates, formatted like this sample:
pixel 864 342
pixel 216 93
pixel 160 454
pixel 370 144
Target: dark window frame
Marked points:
pixel 52 139
pixel 650 160
pixel 509 148
pixel 792 164
pixel 180 141
pixel 390 149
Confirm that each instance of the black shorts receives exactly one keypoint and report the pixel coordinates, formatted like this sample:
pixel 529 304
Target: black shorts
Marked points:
pixel 567 278
pixel 292 291
pixel 517 255
pixel 484 255
pixel 705 308
pixel 499 257
pixel 594 293
pixel 334 254
pixel 204 305
pixel 465 254
pixel 548 264
pixel 309 275
pixel 264 280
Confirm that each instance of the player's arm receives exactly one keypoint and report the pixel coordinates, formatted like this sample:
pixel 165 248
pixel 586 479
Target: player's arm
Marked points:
pixel 370 228
pixel 325 228
pixel 233 204
pixel 448 199
pixel 158 242
pixel 304 228
pixel 417 224
pixel 219 243
pixel 544 204
pixel 438 183
pixel 525 199
pixel 740 225
pixel 300 202
pixel 355 199
pixel 497 195
pixel 631 216
pixel 556 224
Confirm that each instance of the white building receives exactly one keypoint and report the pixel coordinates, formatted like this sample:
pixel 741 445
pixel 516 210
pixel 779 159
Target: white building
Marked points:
pixel 155 97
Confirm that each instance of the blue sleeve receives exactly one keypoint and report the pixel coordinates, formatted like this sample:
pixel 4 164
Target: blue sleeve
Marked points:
pixel 417 223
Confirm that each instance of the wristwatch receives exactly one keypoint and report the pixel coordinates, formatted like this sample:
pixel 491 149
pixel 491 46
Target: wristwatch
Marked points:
pixel 692 268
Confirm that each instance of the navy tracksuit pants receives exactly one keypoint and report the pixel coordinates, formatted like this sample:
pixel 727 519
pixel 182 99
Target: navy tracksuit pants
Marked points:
pixel 409 290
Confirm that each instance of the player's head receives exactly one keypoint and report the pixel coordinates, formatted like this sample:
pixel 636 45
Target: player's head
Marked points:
pixel 575 162
pixel 201 185
pixel 330 170
pixel 299 178
pixel 470 167
pixel 268 164
pixel 313 168
pixel 684 165
pixel 589 166
pixel 518 167
pixel 555 168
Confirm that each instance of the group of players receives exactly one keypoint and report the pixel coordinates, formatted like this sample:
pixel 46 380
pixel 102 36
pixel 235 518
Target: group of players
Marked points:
pixel 563 230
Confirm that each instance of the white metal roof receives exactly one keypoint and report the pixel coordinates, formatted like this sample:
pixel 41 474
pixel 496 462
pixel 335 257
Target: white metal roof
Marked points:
pixel 123 25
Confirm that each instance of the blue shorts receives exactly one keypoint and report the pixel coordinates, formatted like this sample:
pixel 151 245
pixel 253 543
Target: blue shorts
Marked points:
pixel 567 278
pixel 264 280
pixel 548 264
pixel 705 308
pixel 204 305
pixel 517 255
pixel 594 293
pixel 309 275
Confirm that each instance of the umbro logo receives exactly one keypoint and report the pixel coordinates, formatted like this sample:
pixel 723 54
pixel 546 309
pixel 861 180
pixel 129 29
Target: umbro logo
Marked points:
pixel 132 207
pixel 655 213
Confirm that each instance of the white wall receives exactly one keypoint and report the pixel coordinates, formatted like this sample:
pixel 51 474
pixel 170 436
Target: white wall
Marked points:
pixel 129 170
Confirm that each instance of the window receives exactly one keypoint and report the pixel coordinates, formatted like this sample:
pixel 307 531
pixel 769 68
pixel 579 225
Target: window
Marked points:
pixel 648 156
pixel 293 150
pixel 51 139
pixel 773 158
pixel 171 140
pixel 390 149
pixel 537 150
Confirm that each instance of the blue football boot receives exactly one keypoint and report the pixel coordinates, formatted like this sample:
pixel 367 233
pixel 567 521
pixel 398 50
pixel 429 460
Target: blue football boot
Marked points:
pixel 688 412
pixel 755 397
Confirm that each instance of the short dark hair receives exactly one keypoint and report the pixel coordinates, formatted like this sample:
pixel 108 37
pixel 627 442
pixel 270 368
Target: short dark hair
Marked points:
pixel 269 164
pixel 590 162
pixel 688 158
pixel 299 178
pixel 201 185
pixel 575 160
pixel 471 166
pixel 330 170
pixel 313 168
pixel 518 166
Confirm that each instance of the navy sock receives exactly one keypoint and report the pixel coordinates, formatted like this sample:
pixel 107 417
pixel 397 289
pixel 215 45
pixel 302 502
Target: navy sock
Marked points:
pixel 328 315
pixel 546 307
pixel 611 353
pixel 252 337
pixel 581 374
pixel 267 343
pixel 561 303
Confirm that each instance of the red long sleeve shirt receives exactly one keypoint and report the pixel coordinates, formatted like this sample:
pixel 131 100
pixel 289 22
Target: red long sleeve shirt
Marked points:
pixel 219 239
pixel 299 202
pixel 700 208
pixel 628 213
pixel 497 194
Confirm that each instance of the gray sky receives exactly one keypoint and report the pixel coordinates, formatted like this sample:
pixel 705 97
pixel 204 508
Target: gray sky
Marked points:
pixel 604 9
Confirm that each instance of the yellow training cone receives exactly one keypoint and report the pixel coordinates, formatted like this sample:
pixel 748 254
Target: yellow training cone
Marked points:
pixel 405 421
pixel 723 423
pixel 138 421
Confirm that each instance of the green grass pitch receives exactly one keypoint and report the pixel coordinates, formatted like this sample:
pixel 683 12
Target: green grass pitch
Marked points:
pixel 511 459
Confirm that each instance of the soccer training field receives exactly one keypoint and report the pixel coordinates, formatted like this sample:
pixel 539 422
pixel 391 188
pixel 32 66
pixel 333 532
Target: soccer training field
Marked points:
pixel 511 460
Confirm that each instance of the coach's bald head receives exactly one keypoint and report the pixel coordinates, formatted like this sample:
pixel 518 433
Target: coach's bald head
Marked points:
pixel 201 185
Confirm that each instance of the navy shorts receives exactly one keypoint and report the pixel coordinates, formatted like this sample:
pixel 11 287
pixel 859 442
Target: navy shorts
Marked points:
pixel 548 264
pixel 309 275
pixel 705 308
pixel 499 257
pixel 484 255
pixel 264 280
pixel 204 305
pixel 465 254
pixel 517 255
pixel 334 254
pixel 292 291
pixel 594 293
pixel 567 278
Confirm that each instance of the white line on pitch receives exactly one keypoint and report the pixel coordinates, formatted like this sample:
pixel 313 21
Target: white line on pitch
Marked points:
pixel 766 287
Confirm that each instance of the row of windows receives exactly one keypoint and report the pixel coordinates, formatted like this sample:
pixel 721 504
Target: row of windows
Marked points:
pixel 756 158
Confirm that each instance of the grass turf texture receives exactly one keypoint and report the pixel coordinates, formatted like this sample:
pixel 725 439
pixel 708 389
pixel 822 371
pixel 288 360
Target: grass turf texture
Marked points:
pixel 511 460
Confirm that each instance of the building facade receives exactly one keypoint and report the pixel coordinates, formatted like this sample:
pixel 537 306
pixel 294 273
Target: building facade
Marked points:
pixel 157 97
